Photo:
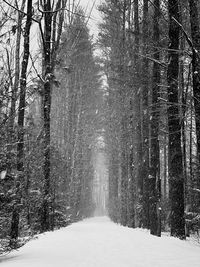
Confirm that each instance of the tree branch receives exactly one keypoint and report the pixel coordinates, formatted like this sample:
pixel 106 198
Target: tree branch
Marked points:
pixel 186 35
pixel 25 14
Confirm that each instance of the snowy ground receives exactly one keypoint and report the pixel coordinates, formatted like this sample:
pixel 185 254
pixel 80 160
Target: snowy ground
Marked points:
pixel 98 242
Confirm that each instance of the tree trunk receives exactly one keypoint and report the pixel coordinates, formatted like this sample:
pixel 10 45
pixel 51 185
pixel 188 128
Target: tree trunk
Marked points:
pixel 50 46
pixel 145 119
pixel 22 106
pixel 123 126
pixel 45 212
pixel 195 32
pixel 14 90
pixel 154 179
pixel 137 117
pixel 17 70
pixel 22 100
pixel 175 151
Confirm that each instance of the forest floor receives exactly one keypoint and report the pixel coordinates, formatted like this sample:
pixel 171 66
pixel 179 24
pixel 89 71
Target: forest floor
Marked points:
pixel 98 242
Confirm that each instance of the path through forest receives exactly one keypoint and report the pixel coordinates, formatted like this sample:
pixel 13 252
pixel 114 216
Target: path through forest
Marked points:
pixel 97 242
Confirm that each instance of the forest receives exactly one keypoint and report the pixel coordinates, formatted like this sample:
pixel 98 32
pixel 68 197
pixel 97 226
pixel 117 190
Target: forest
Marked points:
pixel 105 125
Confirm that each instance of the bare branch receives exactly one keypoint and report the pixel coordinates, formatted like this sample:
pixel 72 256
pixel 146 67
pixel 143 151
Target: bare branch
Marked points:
pixel 33 64
pixel 24 13
pixel 186 35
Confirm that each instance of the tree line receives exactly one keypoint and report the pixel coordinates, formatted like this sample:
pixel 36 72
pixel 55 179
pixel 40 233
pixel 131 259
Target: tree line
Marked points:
pixel 49 84
pixel 56 114
pixel 150 57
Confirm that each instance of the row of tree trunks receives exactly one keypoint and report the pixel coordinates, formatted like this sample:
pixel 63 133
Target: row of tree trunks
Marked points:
pixel 143 147
pixel 34 195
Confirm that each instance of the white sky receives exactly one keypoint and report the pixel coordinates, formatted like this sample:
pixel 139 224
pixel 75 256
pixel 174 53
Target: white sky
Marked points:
pixel 91 7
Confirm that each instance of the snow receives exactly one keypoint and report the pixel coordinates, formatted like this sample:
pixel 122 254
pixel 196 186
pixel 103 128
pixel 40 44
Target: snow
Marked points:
pixel 97 242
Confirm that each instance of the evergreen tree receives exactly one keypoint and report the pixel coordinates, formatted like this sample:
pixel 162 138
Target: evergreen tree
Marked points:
pixel 176 175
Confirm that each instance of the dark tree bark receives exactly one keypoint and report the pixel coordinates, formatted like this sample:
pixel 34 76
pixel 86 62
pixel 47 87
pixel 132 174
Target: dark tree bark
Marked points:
pixel 137 116
pixel 176 173
pixel 51 41
pixel 17 68
pixel 124 174
pixel 145 118
pixel 22 105
pixel 113 185
pixel 45 220
pixel 154 178
pixel 123 141
pixel 14 89
pixel 22 100
pixel 195 33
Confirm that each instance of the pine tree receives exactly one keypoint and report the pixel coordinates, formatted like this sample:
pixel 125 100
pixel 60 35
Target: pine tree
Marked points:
pixel 195 33
pixel 154 175
pixel 176 175
pixel 76 59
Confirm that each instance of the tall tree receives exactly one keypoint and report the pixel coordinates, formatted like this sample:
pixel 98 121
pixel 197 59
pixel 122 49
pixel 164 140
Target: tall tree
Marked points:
pixel 137 117
pixel 145 116
pixel 176 174
pixel 154 177
pixel 195 33
pixel 45 220
pixel 15 85
pixel 21 112
pixel 123 120
pixel 112 40
pixel 50 44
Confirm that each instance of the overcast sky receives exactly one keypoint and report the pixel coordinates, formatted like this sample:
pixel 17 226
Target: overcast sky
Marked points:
pixel 91 7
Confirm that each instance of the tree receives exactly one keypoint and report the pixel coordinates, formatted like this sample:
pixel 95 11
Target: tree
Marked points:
pixel 154 175
pixel 15 85
pixel 79 98
pixel 49 47
pixel 145 118
pixel 195 33
pixel 22 104
pixel 137 143
pixel 175 152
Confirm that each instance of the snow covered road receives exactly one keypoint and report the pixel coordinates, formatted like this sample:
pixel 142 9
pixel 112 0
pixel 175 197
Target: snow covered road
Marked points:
pixel 97 242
